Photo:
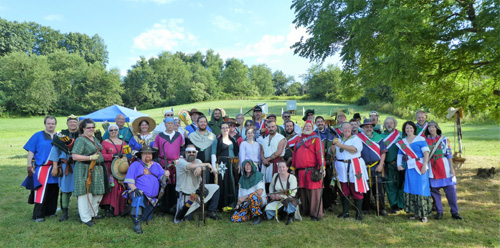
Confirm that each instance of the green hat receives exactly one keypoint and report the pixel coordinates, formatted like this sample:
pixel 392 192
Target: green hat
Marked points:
pixel 306 113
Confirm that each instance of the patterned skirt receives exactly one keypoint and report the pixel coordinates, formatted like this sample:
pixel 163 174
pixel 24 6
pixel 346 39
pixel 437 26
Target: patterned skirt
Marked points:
pixel 420 205
pixel 251 208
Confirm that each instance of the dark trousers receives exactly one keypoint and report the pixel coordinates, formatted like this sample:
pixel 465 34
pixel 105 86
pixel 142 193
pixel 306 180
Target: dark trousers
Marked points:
pixel 169 199
pixel 372 194
pixel 48 206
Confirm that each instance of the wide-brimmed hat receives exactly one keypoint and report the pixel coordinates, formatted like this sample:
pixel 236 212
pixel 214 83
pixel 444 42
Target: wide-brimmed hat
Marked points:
pixel 433 123
pixel 151 122
pixel 119 168
pixel 367 122
pixel 146 149
pixel 452 111
pixel 306 113
pixel 195 111
pixel 339 113
pixel 232 121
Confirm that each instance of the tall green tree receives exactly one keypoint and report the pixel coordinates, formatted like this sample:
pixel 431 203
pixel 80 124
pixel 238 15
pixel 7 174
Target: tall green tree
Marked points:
pixel 431 53
pixel 14 37
pixel 295 89
pixel 262 77
pixel 141 86
pixel 69 70
pixel 26 84
pixel 280 81
pixel 235 81
pixel 92 49
pixel 324 83
pixel 99 89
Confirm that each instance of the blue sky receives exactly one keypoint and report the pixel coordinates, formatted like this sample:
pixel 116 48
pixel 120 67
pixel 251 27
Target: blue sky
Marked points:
pixel 258 32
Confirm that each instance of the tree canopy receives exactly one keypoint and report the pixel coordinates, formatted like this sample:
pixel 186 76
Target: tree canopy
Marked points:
pixel 432 54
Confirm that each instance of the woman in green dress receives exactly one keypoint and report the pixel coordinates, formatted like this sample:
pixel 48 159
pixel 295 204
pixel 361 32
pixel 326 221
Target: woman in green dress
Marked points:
pixel 86 152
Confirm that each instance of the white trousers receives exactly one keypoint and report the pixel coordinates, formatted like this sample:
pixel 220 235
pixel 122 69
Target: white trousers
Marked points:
pixel 84 208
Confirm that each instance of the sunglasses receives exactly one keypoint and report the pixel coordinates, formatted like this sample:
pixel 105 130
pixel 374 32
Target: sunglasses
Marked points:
pixel 286 116
pixel 169 115
pixel 190 152
pixel 90 128
pixel 113 130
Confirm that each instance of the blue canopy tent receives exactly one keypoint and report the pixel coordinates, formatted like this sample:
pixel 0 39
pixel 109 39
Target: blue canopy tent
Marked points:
pixel 109 114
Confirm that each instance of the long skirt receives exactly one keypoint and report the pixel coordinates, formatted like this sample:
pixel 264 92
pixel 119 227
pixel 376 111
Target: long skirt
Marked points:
pixel 251 208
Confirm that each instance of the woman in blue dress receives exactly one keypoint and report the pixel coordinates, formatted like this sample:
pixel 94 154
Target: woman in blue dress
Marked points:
pixel 413 157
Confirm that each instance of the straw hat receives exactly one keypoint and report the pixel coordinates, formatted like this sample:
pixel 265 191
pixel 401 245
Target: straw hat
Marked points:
pixel 137 129
pixel 119 168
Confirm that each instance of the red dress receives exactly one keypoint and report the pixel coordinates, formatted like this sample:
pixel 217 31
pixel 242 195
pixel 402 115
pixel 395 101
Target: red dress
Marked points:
pixel 308 154
pixel 114 197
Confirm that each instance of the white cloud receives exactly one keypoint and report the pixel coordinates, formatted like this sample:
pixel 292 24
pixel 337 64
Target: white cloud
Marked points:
pixel 225 24
pixel 54 18
pixel 164 35
pixel 295 34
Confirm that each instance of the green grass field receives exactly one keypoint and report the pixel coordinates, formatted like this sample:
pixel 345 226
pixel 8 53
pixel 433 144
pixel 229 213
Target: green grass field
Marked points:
pixel 479 203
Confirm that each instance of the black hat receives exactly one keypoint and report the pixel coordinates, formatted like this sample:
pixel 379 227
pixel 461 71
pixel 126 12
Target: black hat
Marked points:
pixel 356 116
pixel 257 108
pixel 271 115
pixel 306 113
pixel 367 122
pixel 146 149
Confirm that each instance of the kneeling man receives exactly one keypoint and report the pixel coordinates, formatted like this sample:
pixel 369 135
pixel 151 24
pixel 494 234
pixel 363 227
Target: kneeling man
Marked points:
pixel 189 186
pixel 143 178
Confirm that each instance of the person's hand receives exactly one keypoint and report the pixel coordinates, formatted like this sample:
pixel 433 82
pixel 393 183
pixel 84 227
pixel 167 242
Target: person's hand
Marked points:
pixel 323 172
pixel 137 192
pixel 424 169
pixel 30 170
pixel 54 171
pixel 239 169
pixel 379 168
pixel 167 173
pixel 259 192
pixel 335 141
pixel 141 142
pixel 400 168
pixel 94 157
pixel 197 171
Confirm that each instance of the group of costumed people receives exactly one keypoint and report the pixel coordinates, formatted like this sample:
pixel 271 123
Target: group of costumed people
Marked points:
pixel 255 168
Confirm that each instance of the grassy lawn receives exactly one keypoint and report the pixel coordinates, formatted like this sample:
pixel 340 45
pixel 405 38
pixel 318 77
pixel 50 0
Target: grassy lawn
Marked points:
pixel 479 203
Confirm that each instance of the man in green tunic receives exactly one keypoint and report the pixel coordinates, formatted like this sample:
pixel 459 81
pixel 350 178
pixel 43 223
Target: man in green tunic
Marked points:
pixel 395 178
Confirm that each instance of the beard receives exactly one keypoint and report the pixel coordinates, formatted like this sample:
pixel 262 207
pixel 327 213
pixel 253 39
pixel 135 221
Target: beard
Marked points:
pixel 308 132
pixel 147 159
pixel 190 158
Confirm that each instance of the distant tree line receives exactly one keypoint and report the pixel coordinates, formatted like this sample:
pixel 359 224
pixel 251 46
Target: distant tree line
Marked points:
pixel 45 71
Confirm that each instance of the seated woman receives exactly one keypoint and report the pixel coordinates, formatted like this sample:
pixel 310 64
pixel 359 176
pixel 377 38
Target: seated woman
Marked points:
pixel 251 195
pixel 282 194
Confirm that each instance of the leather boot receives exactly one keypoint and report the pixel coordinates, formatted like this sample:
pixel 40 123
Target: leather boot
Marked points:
pixel 64 216
pixel 137 224
pixel 359 210
pixel 291 218
pixel 257 220
pixel 345 208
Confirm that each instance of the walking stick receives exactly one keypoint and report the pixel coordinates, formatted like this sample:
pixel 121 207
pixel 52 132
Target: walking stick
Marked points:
pixel 376 195
pixel 202 198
